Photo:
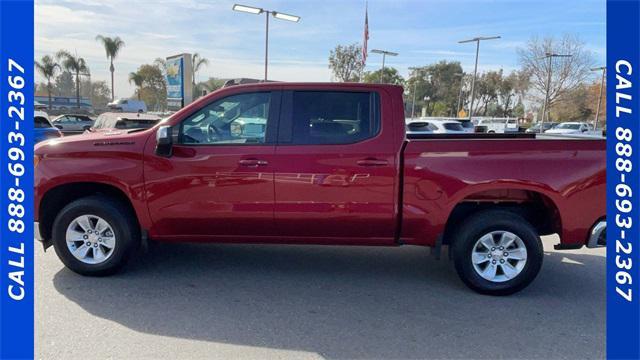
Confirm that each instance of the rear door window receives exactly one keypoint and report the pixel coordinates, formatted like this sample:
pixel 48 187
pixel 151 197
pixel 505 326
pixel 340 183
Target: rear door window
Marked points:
pixel 329 117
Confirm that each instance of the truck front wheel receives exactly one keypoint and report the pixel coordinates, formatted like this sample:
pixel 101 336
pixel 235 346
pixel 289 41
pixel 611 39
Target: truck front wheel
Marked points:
pixel 95 236
pixel 497 252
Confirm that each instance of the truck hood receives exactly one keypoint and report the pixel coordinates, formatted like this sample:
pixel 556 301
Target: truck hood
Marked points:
pixel 92 140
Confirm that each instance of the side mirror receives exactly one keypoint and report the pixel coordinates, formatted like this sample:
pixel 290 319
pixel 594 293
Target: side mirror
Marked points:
pixel 58 126
pixel 164 141
pixel 584 130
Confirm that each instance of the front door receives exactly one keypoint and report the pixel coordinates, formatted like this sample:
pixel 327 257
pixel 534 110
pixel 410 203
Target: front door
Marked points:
pixel 334 171
pixel 218 183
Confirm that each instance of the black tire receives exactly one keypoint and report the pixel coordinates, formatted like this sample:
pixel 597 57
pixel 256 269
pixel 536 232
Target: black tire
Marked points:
pixel 118 216
pixel 482 223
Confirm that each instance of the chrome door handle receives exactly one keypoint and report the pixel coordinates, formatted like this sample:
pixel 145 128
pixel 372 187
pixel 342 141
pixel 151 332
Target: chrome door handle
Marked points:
pixel 373 162
pixel 253 162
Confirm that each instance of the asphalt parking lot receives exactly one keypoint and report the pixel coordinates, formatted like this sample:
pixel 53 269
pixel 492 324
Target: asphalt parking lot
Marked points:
pixel 184 301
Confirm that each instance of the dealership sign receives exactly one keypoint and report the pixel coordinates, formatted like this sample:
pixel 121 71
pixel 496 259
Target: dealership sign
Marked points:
pixel 179 88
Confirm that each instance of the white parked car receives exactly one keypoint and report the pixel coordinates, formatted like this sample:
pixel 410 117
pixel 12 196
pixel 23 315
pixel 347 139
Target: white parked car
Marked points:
pixel 128 105
pixel 499 126
pixel 572 128
pixel 435 127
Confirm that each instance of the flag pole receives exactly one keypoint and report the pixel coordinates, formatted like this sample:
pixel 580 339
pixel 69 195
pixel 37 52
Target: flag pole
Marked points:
pixel 365 41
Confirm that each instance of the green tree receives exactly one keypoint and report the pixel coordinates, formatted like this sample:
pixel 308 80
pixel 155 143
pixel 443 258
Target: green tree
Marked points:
pixel 47 67
pixel 487 92
pixel 137 80
pixel 345 62
pixel 154 87
pixel 77 66
pixel 97 91
pixel 64 85
pixel 212 84
pixel 112 47
pixel 435 83
pixel 391 76
pixel 197 62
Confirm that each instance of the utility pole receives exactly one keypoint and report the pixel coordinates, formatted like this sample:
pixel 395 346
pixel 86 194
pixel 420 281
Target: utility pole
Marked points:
pixel 416 71
pixel 475 70
pixel 545 108
pixel 461 75
pixel 604 71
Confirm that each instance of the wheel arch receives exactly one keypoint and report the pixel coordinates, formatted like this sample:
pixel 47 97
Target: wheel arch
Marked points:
pixel 535 206
pixel 56 198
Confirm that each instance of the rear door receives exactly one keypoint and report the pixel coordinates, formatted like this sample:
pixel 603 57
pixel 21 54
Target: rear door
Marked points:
pixel 334 168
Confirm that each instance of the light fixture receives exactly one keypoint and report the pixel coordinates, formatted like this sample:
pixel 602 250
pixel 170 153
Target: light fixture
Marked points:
pixel 277 15
pixel 384 52
pixel 247 9
pixel 287 17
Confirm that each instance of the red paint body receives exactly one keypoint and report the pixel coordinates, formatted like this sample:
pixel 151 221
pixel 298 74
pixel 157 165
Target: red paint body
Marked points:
pixel 386 190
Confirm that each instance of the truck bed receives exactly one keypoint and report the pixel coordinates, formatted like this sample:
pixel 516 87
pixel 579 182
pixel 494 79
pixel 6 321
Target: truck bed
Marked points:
pixel 440 173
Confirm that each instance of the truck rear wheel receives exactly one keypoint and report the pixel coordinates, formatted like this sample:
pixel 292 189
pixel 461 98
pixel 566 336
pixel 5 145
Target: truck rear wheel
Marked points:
pixel 497 252
pixel 95 236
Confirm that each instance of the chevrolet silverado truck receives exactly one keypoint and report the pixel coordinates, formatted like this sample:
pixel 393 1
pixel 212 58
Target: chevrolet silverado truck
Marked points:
pixel 329 164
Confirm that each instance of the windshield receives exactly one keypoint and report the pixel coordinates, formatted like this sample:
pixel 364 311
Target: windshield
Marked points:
pixel 568 126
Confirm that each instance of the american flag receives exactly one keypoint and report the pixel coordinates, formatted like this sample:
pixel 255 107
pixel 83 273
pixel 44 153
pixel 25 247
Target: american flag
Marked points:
pixel 366 36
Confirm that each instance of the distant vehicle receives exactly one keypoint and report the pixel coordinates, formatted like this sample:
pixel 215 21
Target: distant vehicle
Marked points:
pixel 468 126
pixel 108 121
pixel 42 128
pixel 499 126
pixel 73 123
pixel 39 106
pixel 128 105
pixel 65 103
pixel 569 128
pixel 435 127
pixel 546 126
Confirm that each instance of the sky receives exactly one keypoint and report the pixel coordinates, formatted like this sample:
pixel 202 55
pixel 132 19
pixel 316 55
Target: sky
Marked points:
pixel 422 32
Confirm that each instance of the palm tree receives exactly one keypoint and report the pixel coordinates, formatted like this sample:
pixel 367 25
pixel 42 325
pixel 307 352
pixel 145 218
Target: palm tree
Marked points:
pixel 47 67
pixel 197 62
pixel 112 47
pixel 75 65
pixel 137 79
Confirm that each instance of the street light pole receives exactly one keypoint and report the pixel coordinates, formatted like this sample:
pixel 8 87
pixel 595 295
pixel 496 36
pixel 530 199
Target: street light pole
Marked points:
pixel 413 104
pixel 604 71
pixel 275 14
pixel 384 56
pixel 545 108
pixel 461 75
pixel 266 47
pixel 475 70
pixel 415 89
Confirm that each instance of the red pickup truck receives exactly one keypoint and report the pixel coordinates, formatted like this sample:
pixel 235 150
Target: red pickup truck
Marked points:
pixel 301 163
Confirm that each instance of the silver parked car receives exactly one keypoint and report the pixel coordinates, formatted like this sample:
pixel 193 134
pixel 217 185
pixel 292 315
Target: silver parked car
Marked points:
pixel 73 123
